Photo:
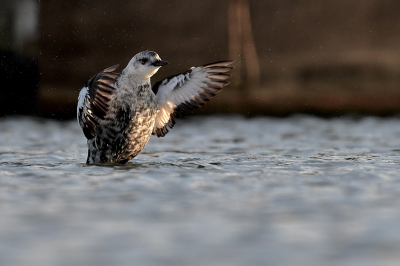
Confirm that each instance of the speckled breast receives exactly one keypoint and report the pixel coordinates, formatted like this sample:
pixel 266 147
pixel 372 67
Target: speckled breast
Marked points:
pixel 137 134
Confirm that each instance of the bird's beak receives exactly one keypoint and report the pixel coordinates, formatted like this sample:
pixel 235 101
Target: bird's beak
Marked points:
pixel 160 63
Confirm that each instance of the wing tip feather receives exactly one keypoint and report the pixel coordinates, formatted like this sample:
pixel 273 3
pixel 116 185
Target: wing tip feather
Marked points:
pixel 223 63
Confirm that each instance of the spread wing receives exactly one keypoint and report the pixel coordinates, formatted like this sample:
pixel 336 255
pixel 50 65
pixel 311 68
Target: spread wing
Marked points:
pixel 94 99
pixel 188 90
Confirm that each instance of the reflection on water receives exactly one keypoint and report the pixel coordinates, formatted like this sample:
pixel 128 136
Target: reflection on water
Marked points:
pixel 214 191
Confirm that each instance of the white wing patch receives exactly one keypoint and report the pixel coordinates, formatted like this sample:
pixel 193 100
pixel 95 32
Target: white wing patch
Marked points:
pixel 84 113
pixel 187 91
pixel 82 102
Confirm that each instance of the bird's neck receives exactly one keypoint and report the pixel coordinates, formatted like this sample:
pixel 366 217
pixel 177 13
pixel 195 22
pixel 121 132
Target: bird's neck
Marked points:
pixel 132 81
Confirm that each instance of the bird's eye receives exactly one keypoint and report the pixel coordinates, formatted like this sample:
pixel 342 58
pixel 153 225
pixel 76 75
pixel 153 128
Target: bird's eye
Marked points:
pixel 143 61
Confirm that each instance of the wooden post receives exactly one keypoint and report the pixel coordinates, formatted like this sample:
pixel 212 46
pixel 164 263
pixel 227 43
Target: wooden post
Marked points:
pixel 241 44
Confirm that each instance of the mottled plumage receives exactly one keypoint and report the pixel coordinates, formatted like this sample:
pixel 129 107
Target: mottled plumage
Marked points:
pixel 119 112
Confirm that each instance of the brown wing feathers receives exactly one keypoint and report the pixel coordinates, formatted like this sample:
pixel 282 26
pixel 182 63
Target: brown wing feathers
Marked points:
pixel 100 91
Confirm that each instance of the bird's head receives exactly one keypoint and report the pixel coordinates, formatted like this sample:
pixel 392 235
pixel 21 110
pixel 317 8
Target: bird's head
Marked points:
pixel 145 64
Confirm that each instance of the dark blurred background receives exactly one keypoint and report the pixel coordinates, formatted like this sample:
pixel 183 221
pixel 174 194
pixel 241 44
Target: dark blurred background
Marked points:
pixel 328 57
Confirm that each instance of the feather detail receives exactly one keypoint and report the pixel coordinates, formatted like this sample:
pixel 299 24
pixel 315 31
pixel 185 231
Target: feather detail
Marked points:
pixel 94 100
pixel 188 90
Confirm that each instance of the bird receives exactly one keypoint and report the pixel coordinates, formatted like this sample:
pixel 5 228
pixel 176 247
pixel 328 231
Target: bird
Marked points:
pixel 118 112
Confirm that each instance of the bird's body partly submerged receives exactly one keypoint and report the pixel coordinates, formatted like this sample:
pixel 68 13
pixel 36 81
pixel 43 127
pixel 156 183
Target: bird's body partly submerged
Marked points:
pixel 119 112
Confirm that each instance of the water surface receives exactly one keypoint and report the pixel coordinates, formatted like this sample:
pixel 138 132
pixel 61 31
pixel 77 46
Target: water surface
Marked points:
pixel 219 190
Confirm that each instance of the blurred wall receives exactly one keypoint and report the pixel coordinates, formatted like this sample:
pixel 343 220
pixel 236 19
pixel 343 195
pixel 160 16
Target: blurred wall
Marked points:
pixel 327 57
pixel 18 56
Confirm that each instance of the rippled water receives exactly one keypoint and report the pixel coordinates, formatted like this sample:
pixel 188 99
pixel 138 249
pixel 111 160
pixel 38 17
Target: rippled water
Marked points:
pixel 215 191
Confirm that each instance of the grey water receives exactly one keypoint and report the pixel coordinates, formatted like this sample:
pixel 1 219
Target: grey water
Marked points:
pixel 219 190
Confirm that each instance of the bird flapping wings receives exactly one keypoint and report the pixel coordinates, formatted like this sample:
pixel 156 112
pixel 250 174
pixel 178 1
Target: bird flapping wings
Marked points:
pixel 94 99
pixel 188 90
